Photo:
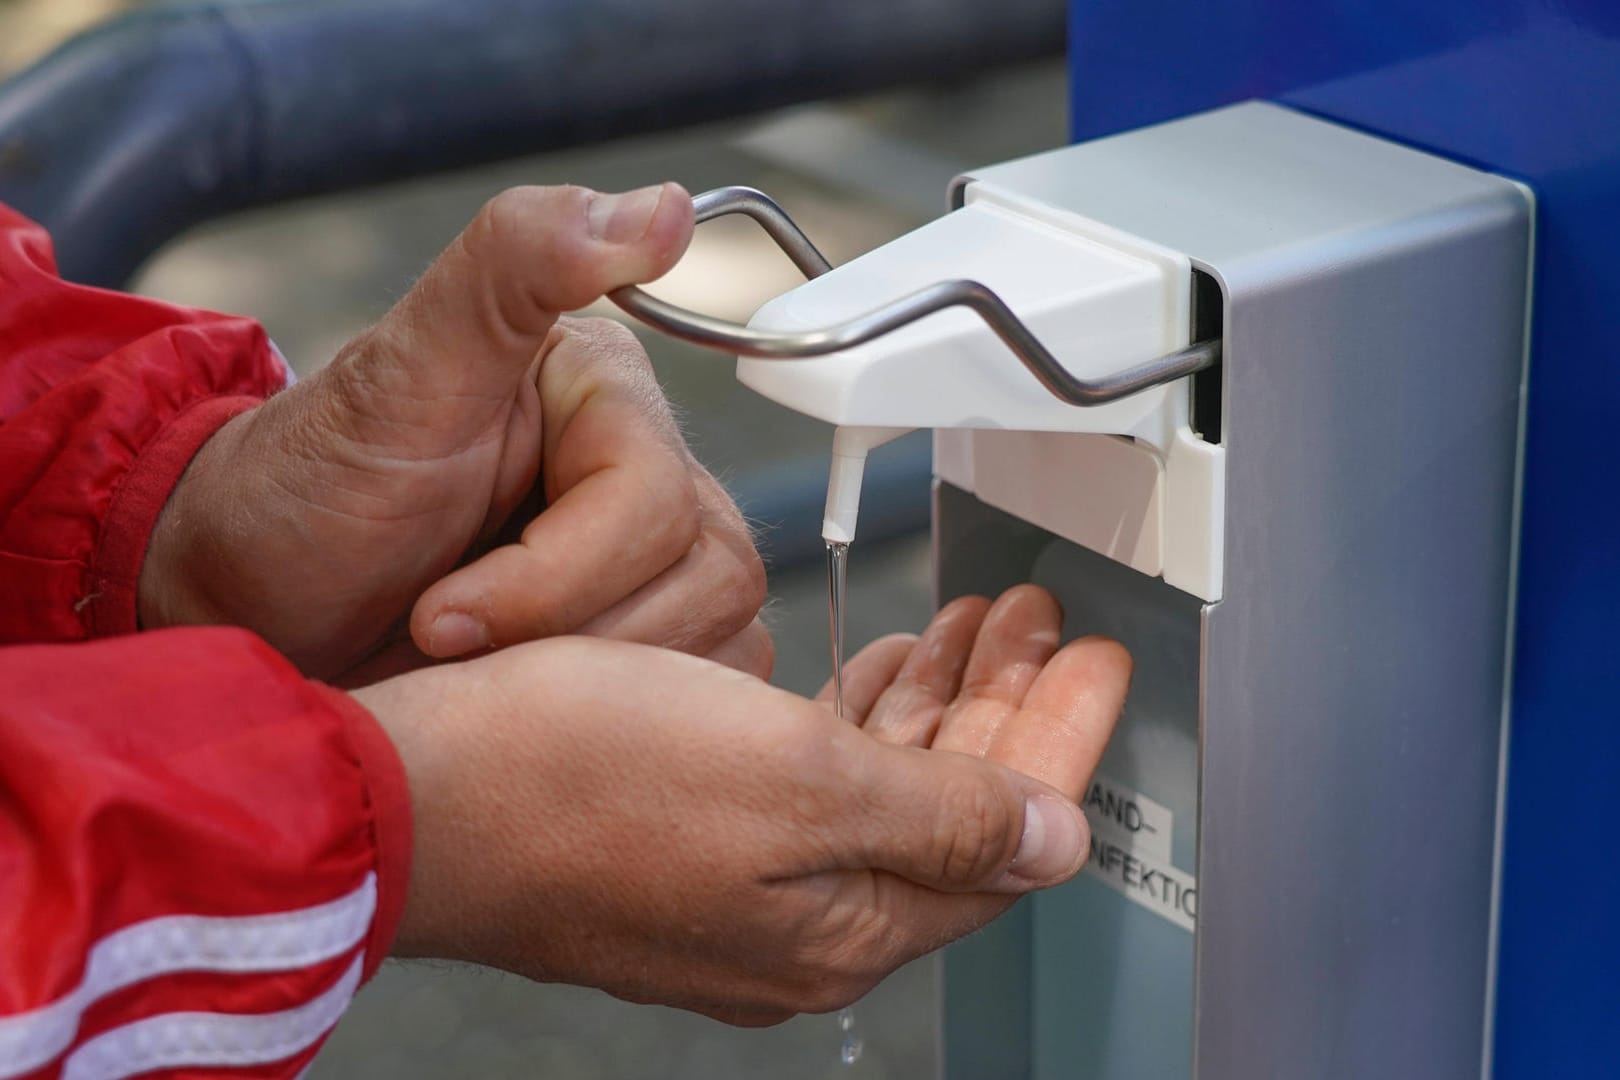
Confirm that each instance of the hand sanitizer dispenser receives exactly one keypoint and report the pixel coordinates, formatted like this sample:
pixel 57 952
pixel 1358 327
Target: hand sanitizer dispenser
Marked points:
pixel 1245 391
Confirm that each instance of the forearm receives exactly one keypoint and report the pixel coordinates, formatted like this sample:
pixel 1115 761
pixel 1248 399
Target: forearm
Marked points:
pixel 187 826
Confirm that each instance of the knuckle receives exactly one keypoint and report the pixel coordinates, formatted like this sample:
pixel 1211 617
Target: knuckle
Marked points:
pixel 567 334
pixel 365 385
pixel 682 523
pixel 616 348
pixel 762 658
pixel 974 832
pixel 617 361
pixel 739 583
pixel 671 520
pixel 501 218
pixel 829 986
pixel 513 213
pixel 843 960
pixel 613 336
pixel 754 586
pixel 504 239
pixel 743 588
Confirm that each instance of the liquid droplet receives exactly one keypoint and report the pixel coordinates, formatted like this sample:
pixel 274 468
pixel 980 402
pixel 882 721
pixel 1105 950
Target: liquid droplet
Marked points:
pixel 849 1049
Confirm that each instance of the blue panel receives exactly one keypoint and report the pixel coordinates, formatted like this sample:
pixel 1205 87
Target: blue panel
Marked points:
pixel 1530 89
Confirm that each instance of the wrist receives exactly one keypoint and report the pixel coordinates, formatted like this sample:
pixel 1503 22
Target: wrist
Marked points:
pixel 186 545
pixel 409 709
pixel 113 603
pixel 387 814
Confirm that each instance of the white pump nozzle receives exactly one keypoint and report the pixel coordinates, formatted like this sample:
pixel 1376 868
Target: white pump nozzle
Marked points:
pixel 850 447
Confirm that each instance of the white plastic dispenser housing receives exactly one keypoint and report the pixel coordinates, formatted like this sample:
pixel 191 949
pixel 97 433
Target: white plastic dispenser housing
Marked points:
pixel 1101 300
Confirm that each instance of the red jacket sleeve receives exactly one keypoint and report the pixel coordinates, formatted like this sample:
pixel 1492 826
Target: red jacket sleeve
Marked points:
pixel 104 400
pixel 201 853
pixel 201 856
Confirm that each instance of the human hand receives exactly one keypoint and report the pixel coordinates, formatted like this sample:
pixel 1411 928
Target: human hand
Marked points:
pixel 386 488
pixel 675 832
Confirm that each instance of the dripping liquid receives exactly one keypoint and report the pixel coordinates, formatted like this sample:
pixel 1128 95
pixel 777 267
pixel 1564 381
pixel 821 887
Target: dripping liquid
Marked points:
pixel 850 1043
pixel 837 588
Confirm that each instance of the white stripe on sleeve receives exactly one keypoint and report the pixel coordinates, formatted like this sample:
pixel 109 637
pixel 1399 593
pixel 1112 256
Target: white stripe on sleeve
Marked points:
pixel 192 1039
pixel 281 941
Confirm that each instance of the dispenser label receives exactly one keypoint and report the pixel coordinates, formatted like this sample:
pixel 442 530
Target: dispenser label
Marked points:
pixel 1129 819
pixel 1130 852
pixel 1155 885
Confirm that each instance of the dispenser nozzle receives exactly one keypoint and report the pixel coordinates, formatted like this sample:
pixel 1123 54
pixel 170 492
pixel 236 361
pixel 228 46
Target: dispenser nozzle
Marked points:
pixel 850 447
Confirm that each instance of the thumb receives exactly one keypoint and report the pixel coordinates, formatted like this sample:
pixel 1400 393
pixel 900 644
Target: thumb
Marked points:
pixel 958 823
pixel 471 326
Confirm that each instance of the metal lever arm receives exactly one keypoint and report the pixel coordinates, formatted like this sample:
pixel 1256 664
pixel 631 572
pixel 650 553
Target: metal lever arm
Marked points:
pixel 788 345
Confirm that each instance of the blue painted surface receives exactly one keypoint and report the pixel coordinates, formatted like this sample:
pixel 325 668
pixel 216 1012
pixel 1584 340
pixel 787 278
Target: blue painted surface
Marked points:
pixel 1530 89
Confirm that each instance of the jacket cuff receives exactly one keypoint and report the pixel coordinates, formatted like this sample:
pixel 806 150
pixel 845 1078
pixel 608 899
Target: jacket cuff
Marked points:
pixel 115 568
pixel 389 797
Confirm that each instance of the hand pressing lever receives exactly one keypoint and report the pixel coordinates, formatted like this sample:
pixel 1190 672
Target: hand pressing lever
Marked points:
pixel 388 510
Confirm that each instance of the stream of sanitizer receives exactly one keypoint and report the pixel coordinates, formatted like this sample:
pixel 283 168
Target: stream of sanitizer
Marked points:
pixel 850 1041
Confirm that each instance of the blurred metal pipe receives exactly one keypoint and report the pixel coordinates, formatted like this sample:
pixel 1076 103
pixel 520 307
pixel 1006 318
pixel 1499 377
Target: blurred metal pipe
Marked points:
pixel 169 117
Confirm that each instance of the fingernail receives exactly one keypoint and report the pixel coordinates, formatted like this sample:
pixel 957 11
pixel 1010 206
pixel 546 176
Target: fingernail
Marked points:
pixel 1052 837
pixel 455 634
pixel 621 219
